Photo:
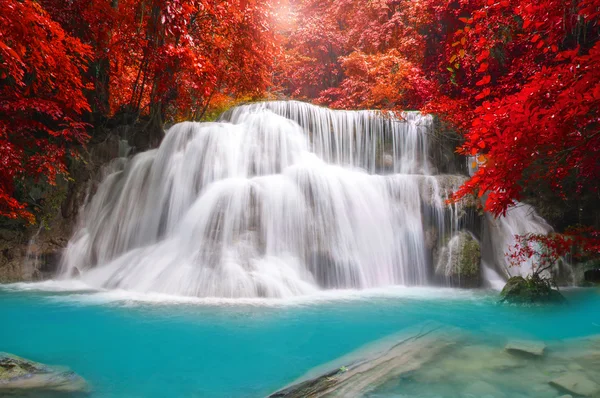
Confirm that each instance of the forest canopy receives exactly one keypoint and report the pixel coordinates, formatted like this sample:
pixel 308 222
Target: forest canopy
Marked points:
pixel 519 80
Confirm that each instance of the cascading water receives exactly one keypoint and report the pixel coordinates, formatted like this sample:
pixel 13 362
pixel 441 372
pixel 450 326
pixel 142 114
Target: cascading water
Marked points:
pixel 276 199
pixel 499 237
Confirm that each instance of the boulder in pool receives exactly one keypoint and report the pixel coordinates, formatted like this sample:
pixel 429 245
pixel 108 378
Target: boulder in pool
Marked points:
pixel 525 347
pixel 532 289
pixel 22 375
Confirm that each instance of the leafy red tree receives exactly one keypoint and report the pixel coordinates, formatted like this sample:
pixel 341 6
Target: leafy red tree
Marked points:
pixel 352 54
pixel 41 99
pixel 153 59
pixel 167 59
pixel 535 95
pixel 516 77
pixel 543 251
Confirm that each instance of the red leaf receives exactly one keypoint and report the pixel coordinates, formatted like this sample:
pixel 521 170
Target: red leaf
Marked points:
pixel 485 80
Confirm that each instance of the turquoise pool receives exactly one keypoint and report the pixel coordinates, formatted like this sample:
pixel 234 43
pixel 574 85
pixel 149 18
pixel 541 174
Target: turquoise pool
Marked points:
pixel 156 346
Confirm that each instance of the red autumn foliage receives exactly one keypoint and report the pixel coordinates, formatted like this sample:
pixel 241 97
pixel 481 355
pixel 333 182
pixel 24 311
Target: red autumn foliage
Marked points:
pixel 535 114
pixel 163 60
pixel 41 99
pixel 173 56
pixel 543 251
pixel 519 79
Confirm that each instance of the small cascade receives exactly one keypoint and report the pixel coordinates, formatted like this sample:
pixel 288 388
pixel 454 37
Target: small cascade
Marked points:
pixel 273 200
pixel 499 237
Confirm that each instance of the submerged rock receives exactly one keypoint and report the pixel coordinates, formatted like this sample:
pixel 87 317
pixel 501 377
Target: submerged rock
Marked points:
pixel 482 389
pixel 576 383
pixel 371 367
pixel 22 375
pixel 530 290
pixel 532 348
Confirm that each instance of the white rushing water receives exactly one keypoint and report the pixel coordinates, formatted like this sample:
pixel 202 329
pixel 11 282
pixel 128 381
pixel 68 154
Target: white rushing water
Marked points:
pixel 277 199
pixel 499 237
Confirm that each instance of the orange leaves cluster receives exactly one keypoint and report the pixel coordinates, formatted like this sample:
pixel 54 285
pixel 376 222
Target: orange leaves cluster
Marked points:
pixel 351 53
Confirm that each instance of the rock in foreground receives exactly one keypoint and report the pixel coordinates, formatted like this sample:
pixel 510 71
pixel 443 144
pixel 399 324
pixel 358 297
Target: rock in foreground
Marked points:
pixel 22 375
pixel 576 383
pixel 371 367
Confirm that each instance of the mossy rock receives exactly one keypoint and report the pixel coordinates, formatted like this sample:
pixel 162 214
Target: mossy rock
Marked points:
pixel 469 258
pixel 532 289
pixel 20 375
pixel 459 262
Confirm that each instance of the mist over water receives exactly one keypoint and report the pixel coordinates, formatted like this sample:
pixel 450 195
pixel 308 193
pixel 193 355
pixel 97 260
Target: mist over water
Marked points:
pixel 276 199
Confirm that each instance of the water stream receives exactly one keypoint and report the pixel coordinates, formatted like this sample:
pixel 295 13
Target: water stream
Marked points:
pixel 241 254
pixel 277 199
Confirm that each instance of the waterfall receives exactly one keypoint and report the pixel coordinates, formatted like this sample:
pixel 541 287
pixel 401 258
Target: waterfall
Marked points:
pixel 275 199
pixel 499 236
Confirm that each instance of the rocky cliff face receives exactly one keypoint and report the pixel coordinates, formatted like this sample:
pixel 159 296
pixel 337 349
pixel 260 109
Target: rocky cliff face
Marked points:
pixel 33 252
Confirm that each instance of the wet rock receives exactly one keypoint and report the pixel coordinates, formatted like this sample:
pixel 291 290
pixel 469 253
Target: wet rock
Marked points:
pixel 432 375
pixel 476 358
pixel 328 272
pixel 458 263
pixel 521 290
pixel 525 347
pixel 19 374
pixel 431 237
pixel 379 363
pixel 576 383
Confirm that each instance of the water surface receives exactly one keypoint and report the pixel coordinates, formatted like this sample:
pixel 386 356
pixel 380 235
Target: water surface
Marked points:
pixel 129 345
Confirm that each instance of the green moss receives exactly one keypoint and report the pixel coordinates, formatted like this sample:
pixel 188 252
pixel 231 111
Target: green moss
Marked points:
pixel 532 289
pixel 460 260
pixel 469 258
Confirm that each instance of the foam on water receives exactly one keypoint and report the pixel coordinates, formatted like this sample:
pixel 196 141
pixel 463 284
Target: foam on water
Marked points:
pixel 78 292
